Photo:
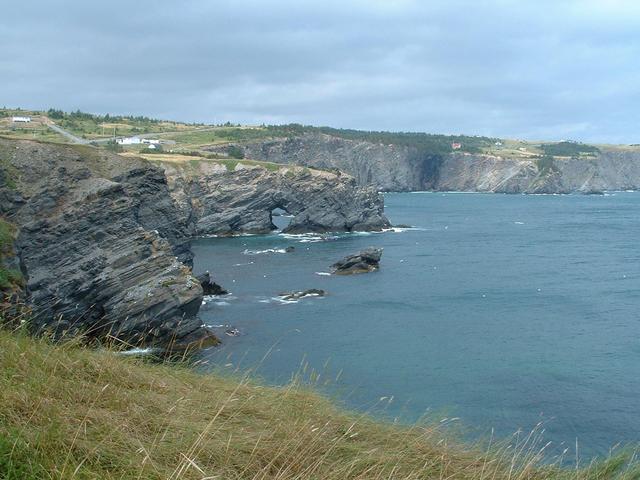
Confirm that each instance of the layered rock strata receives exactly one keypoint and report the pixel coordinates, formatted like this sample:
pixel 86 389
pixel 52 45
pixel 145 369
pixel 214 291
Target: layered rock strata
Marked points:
pixel 216 200
pixel 404 168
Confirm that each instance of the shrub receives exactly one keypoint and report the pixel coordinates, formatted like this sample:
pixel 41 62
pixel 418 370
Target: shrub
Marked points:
pixel 157 149
pixel 568 149
pixel 113 146
pixel 546 165
pixel 235 151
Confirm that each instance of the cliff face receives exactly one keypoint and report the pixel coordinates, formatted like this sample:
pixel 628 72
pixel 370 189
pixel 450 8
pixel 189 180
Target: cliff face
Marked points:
pixel 103 241
pixel 217 201
pixel 610 170
pixel 97 242
pixel 402 168
pixel 389 167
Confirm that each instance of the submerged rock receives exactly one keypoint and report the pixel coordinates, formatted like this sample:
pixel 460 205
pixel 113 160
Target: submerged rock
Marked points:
pixel 209 287
pixel 233 332
pixel 368 260
pixel 312 292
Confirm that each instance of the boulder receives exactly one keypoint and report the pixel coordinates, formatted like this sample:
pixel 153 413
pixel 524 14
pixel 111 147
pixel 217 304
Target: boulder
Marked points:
pixel 368 260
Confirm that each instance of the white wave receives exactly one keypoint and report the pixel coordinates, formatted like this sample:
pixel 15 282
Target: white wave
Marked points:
pixel 242 264
pixel 519 223
pixel 268 250
pixel 318 239
pixel 303 237
pixel 323 274
pixel 211 298
pixel 403 229
pixel 283 301
pixel 218 299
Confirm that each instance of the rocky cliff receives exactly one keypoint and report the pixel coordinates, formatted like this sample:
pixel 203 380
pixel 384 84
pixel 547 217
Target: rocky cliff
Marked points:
pixel 404 168
pixel 217 200
pixel 389 167
pixel 103 240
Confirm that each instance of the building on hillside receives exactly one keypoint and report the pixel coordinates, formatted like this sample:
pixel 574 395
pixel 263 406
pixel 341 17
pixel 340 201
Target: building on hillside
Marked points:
pixel 129 141
pixel 149 141
pixel 498 144
pixel 21 119
pixel 456 146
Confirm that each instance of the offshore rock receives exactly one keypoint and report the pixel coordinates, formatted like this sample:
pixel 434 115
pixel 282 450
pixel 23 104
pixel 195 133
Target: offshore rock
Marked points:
pixel 368 260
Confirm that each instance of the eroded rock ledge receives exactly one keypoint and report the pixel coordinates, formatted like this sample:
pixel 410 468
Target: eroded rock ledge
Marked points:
pixel 215 200
pixel 103 240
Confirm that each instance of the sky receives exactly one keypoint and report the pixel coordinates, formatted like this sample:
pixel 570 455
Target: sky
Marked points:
pixel 552 70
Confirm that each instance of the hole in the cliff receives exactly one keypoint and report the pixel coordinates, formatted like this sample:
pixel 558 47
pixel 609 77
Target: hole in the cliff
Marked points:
pixel 280 218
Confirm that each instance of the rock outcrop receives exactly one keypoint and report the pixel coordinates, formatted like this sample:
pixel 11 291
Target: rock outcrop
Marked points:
pixel 215 200
pixel 209 287
pixel 103 241
pixel 98 240
pixel 368 260
pixel 404 168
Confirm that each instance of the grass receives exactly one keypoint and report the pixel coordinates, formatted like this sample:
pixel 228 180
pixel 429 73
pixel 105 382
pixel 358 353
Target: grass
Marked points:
pixel 8 172
pixel 193 161
pixel 9 278
pixel 69 412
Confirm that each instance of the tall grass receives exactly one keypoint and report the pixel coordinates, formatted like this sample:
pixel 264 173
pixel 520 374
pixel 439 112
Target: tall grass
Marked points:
pixel 69 412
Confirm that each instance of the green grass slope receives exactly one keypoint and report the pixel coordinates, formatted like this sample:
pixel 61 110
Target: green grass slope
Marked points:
pixel 69 412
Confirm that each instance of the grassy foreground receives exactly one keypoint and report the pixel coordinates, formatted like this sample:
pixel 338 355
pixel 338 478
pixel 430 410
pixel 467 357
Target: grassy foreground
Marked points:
pixel 70 412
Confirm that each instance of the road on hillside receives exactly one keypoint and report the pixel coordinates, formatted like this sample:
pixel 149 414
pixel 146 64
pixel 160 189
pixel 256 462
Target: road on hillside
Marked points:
pixel 69 135
pixel 84 141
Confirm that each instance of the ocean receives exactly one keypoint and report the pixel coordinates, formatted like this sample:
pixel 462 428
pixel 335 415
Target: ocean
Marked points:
pixel 495 312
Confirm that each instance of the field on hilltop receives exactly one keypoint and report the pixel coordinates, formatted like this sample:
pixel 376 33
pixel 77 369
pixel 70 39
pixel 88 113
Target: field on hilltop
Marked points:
pixel 187 137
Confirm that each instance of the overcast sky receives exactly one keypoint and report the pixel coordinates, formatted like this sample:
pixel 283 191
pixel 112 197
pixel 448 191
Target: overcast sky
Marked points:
pixel 535 69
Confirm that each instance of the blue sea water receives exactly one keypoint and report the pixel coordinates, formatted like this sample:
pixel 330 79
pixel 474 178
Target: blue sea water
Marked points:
pixel 502 310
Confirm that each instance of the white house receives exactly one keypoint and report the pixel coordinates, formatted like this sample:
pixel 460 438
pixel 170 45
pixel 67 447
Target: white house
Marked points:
pixel 21 119
pixel 129 141
pixel 148 141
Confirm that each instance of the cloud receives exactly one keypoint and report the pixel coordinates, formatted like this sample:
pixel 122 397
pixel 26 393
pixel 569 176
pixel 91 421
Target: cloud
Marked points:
pixel 543 69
